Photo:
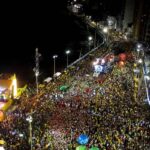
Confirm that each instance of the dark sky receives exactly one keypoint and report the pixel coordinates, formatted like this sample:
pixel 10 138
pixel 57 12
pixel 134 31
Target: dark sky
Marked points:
pixel 25 26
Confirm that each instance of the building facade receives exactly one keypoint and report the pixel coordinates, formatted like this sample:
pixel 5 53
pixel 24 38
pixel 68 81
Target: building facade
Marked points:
pixel 142 20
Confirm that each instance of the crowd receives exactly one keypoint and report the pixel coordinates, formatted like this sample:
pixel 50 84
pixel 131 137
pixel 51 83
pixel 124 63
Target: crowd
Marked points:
pixel 102 107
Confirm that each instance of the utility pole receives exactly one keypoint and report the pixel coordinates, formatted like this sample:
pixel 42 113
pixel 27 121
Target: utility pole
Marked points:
pixel 54 57
pixel 30 119
pixel 95 38
pixel 36 69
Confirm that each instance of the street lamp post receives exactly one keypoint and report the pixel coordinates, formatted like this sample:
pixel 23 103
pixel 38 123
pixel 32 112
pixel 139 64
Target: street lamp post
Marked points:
pixel 90 38
pixel 95 40
pixel 30 119
pixel 105 30
pixel 36 69
pixel 67 53
pixel 54 57
pixel 36 77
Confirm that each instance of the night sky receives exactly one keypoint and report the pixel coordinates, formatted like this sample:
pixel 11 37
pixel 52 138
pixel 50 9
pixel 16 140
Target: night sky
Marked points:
pixel 50 27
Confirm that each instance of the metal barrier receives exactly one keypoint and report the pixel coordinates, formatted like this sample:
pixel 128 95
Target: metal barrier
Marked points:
pixel 81 58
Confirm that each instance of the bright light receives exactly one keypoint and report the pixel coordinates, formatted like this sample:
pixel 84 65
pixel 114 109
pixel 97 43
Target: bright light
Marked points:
pixel 105 29
pixel 2 142
pixel 29 119
pixel 14 84
pixel 48 79
pixel 139 45
pixel 75 6
pixel 94 23
pixel 136 70
pixel 140 61
pixel 96 62
pixel 90 38
pixel 103 61
pixel 20 135
pixel 36 73
pixel 98 68
pixel 55 56
pixel 138 49
pixel 110 22
pixel 57 74
pixel 1 89
pixel 147 77
pixel 2 148
pixel 68 52
pixel 148 102
pixel 2 105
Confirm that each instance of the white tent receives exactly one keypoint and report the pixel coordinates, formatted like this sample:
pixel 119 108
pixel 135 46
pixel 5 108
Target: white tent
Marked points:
pixel 48 79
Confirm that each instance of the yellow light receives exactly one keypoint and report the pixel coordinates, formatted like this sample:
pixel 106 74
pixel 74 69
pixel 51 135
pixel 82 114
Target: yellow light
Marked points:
pixel 14 84
pixel 136 79
pixel 2 142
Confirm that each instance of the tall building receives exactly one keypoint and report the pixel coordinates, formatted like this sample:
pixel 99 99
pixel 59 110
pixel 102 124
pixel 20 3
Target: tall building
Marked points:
pixel 142 20
pixel 147 32
pixel 128 14
pixel 136 19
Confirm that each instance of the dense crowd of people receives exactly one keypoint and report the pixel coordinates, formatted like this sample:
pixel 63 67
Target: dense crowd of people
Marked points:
pixel 102 107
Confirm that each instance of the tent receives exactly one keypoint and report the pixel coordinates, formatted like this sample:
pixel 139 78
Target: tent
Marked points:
pixel 64 88
pixel 83 139
pixel 81 147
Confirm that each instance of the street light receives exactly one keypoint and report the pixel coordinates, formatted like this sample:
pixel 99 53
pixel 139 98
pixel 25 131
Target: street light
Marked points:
pixel 54 57
pixel 90 39
pixel 21 135
pixel 67 53
pixel 36 77
pixel 30 119
pixel 36 69
pixel 139 45
pixel 140 61
pixel 105 30
pixel 138 49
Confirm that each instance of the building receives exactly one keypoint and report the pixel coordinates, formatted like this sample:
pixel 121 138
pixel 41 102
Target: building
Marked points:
pixel 142 20
pixel 136 19
pixel 147 33
pixel 128 14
